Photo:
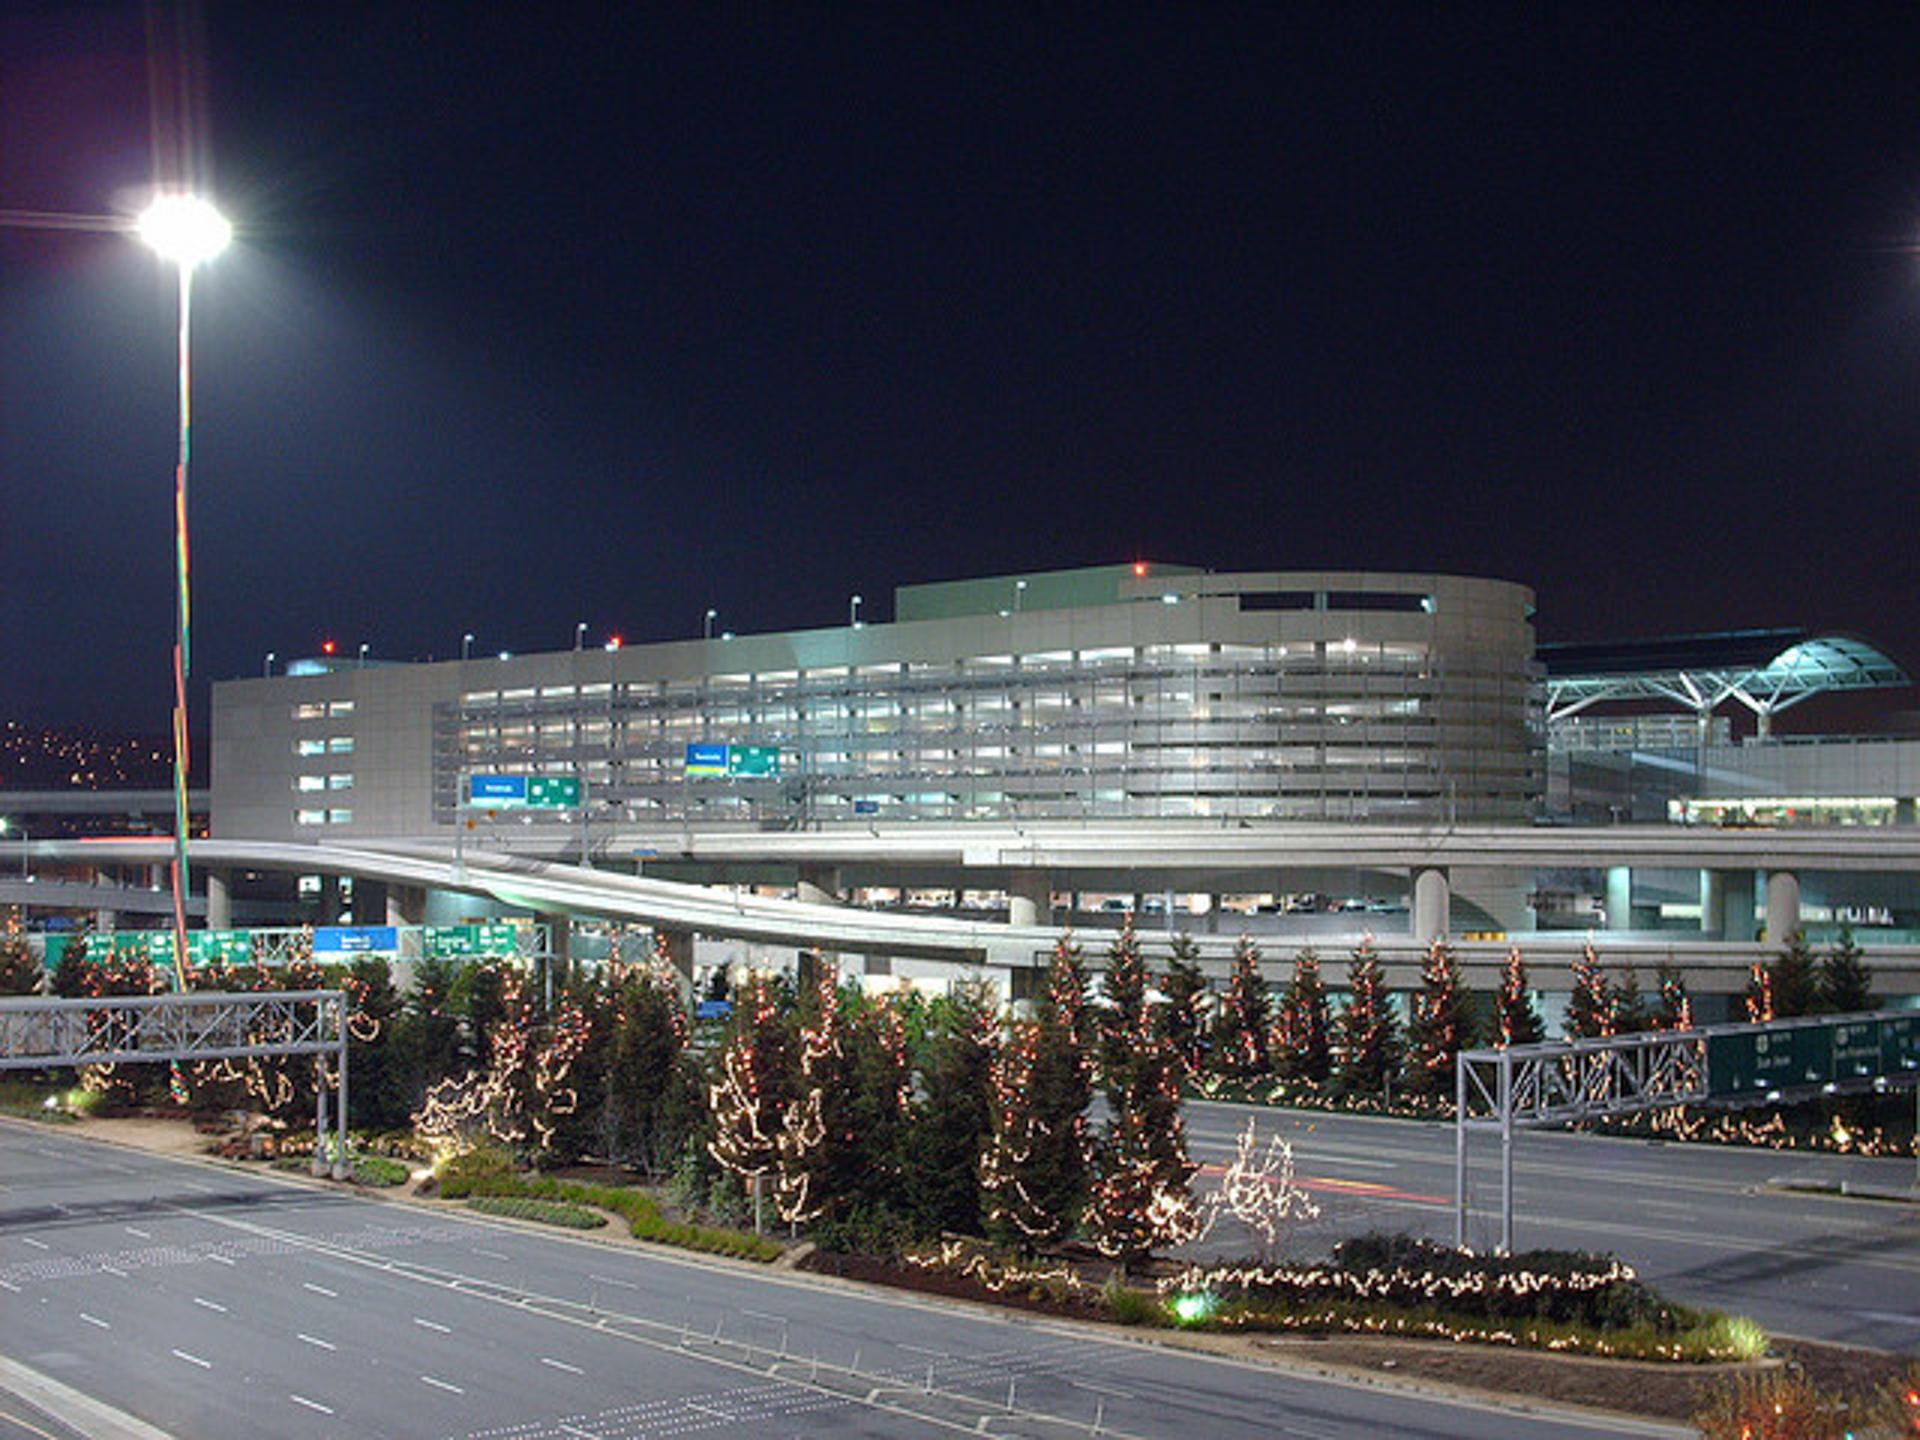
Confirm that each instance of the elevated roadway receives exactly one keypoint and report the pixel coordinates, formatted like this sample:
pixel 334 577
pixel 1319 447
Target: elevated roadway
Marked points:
pixel 544 886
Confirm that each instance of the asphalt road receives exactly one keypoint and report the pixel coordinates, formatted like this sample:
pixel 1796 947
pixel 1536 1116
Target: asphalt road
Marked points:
pixel 215 1304
pixel 1699 1221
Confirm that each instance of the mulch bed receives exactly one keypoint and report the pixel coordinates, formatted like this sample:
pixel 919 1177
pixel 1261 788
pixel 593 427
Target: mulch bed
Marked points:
pixel 1629 1387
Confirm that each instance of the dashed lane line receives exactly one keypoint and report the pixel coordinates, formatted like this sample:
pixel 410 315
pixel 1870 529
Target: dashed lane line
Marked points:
pixel 446 1385
pixel 95 1320
pixel 206 1304
pixel 311 1404
pixel 561 1365
pixel 314 1340
pixel 434 1325
pixel 193 1359
pixel 320 1289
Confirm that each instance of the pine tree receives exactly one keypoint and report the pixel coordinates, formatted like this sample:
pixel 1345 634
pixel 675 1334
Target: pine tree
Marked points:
pixel 1071 987
pixel 1367 1037
pixel 20 973
pixel 954 1120
pixel 1519 1020
pixel 378 1093
pixel 1184 986
pixel 1240 1042
pixel 1304 1034
pixel 1590 1008
pixel 1140 1195
pixel 1846 982
pixel 839 1143
pixel 752 1084
pixel 649 1104
pixel 1673 1010
pixel 1036 1169
pixel 1439 1026
pixel 1629 1005
pixel 1796 982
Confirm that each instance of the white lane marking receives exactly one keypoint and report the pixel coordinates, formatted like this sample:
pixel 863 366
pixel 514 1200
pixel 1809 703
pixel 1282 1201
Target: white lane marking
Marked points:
pixel 194 1360
pixel 490 1254
pixel 1103 1390
pixel 433 1325
pixel 442 1385
pixel 9 1286
pixel 577 1432
pixel 707 1410
pixel 221 1259
pixel 561 1365
pixel 37 1244
pixel 64 1210
pixel 320 1290
pixel 142 1234
pixel 311 1404
pixel 95 1320
pixel 315 1340
pixel 107 1269
pixel 206 1304
pixel 1891 1317
pixel 609 1280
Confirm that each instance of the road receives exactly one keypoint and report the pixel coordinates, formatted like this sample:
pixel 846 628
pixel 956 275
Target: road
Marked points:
pixel 1698 1221
pixel 215 1304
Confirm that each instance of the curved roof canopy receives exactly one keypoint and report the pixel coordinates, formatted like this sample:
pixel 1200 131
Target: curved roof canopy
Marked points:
pixel 1766 670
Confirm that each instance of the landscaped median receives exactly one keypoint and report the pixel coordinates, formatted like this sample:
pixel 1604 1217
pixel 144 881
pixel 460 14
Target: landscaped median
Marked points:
pixel 486 1175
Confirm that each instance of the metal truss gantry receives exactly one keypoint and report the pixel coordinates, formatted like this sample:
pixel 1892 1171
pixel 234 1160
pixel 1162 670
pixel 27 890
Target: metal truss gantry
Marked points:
pixel 214 1025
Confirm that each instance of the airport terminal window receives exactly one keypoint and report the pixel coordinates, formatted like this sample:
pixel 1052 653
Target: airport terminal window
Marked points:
pixel 310 782
pixel 311 710
pixel 309 747
pixel 340 782
pixel 339 817
pixel 309 817
pixel 340 745
pixel 337 708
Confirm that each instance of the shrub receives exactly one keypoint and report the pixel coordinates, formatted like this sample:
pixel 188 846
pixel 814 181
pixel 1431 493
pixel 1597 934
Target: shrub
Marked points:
pixel 1133 1307
pixel 379 1170
pixel 461 1172
pixel 1771 1406
pixel 545 1212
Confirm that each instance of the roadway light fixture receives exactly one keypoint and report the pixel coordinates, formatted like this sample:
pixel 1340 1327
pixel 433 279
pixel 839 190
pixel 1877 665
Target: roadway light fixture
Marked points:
pixel 466 646
pixel 267 668
pixel 1019 594
pixel 186 231
pixel 363 653
pixel 853 612
pixel 707 632
pixel 7 827
pixel 580 635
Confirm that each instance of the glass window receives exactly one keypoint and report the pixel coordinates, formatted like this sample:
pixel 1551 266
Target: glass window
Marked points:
pixel 339 817
pixel 337 708
pixel 312 710
pixel 309 817
pixel 310 782
pixel 340 782
pixel 309 747
pixel 340 745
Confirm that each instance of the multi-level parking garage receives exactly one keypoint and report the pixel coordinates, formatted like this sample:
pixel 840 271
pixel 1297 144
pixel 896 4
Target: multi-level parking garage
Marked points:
pixel 1149 692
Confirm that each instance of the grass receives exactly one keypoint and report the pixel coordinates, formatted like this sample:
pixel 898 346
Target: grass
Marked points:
pixel 376 1170
pixel 25 1100
pixel 545 1212
pixel 643 1217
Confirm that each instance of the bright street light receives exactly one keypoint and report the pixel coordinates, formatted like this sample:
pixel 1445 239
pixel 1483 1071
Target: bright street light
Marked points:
pixel 466 645
pixel 580 635
pixel 853 613
pixel 707 632
pixel 184 230
pixel 7 826
pixel 267 668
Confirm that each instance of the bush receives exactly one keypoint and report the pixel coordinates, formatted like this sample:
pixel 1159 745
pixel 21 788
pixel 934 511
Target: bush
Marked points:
pixel 379 1170
pixel 459 1174
pixel 1772 1406
pixel 636 1207
pixel 1133 1307
pixel 545 1212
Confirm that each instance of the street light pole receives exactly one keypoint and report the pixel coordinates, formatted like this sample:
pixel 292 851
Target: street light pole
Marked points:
pixel 267 668
pixel 707 632
pixel 853 613
pixel 7 827
pixel 466 645
pixel 185 230
pixel 580 635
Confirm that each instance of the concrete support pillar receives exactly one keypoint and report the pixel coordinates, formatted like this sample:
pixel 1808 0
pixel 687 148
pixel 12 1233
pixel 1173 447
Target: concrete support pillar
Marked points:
pixel 1783 906
pixel 1432 900
pixel 819 884
pixel 877 964
pixel 1713 904
pixel 1030 898
pixel 406 905
pixel 219 900
pixel 1619 898
pixel 1738 917
pixel 1904 811
pixel 105 921
pixel 329 900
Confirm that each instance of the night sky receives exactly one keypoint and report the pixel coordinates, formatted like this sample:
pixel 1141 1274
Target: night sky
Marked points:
pixel 546 313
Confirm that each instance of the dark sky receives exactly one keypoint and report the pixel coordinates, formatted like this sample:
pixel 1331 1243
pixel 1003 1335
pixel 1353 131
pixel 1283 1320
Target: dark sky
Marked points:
pixel 545 313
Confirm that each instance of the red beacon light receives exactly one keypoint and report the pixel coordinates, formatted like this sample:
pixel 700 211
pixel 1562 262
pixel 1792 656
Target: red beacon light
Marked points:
pixel 1139 567
pixel 327 647
pixel 613 642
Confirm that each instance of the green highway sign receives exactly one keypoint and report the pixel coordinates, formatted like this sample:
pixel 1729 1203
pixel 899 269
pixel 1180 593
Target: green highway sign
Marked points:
pixel 753 761
pixel 206 947
pixel 554 792
pixel 1843 1050
pixel 524 792
pixel 450 942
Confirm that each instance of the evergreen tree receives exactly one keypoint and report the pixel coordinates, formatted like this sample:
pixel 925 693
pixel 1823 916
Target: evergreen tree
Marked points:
pixel 1673 1010
pixel 71 979
pixel 1796 982
pixel 1846 982
pixel 1630 1014
pixel 425 1048
pixel 1240 1040
pixel 1185 987
pixel 20 973
pixel 377 1094
pixel 1367 1037
pixel 1518 1019
pixel 839 1143
pixel 1140 1197
pixel 954 1120
pixel 1590 1008
pixel 1036 1169
pixel 1304 1034
pixel 1070 988
pixel 752 1083
pixel 650 1082
pixel 1440 1024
